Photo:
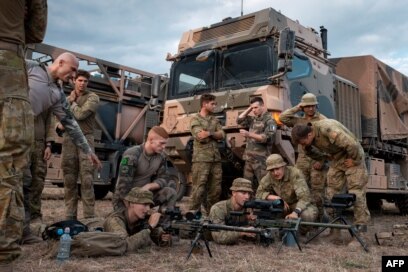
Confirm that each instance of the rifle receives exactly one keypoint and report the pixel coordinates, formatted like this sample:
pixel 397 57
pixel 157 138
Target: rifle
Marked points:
pixel 270 215
pixel 197 229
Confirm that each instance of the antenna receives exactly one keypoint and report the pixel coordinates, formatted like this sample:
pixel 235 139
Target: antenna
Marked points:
pixel 242 7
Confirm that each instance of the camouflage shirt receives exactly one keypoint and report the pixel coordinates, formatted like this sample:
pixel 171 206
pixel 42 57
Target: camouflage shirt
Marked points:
pixel 138 169
pixel 218 215
pixel 263 125
pixel 137 235
pixel 46 94
pixel 292 188
pixel 335 142
pixel 205 150
pixel 290 118
pixel 84 110
pixel 23 21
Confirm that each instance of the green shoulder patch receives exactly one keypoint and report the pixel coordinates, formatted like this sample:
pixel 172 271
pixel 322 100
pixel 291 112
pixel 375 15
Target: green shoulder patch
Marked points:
pixel 124 161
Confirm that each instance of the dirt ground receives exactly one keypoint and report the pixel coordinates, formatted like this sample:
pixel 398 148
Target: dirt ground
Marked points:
pixel 319 255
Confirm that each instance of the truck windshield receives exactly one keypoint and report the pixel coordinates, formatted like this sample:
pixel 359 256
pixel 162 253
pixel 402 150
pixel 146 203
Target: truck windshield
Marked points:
pixel 237 67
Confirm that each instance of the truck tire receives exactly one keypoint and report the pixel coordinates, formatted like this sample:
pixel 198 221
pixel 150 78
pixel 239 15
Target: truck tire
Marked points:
pixel 100 191
pixel 180 180
pixel 402 204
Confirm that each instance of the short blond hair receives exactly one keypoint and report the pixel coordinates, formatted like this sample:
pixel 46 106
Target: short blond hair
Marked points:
pixel 158 131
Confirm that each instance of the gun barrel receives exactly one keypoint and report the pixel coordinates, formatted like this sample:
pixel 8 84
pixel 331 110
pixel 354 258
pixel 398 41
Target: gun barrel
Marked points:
pixel 327 225
pixel 232 228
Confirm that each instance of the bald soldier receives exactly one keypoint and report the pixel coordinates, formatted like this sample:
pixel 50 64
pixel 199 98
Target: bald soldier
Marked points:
pixel 312 170
pixel 287 183
pixel 131 222
pixel 331 140
pixel 220 212
pixel 144 166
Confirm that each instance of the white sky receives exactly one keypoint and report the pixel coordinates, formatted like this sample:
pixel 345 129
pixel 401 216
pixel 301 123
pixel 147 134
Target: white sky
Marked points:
pixel 139 33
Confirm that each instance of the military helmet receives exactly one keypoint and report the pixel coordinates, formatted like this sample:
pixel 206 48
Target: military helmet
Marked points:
pixel 140 196
pixel 241 184
pixel 308 99
pixel 274 161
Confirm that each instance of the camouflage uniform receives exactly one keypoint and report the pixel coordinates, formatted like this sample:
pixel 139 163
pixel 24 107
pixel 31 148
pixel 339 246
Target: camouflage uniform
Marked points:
pixel 20 23
pixel 218 215
pixel 138 169
pixel 75 163
pixel 206 169
pixel 138 234
pixel 256 152
pixel 292 189
pixel 338 143
pixel 34 174
pixel 315 179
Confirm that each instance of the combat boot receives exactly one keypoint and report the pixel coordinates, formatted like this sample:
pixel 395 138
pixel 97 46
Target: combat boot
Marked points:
pixel 6 267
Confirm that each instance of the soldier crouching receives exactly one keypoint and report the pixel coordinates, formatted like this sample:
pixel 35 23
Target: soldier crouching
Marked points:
pixel 287 183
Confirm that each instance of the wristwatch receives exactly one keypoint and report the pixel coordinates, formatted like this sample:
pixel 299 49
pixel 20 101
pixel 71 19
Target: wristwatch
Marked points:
pixel 298 211
pixel 48 144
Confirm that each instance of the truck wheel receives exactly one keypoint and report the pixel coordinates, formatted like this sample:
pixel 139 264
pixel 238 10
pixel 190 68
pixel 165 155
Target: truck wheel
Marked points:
pixel 180 180
pixel 402 204
pixel 100 191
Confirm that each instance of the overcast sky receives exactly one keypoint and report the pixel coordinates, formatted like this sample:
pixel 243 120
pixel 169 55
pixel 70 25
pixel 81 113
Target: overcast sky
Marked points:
pixel 139 33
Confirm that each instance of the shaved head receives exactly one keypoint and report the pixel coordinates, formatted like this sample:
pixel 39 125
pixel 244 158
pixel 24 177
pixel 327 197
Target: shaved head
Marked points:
pixel 64 67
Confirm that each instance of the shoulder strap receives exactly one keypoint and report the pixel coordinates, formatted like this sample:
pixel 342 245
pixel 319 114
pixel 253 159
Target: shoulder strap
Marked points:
pixel 75 226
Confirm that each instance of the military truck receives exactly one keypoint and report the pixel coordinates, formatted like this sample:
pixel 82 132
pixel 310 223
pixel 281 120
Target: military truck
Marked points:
pixel 269 55
pixel 131 102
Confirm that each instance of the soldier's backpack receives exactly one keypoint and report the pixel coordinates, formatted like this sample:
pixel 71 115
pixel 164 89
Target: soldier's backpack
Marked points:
pixel 75 227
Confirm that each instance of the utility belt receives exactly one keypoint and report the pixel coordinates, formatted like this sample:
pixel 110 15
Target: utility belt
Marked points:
pixel 16 48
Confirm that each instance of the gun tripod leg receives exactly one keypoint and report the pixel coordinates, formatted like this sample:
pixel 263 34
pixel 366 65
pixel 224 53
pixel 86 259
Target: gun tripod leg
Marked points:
pixel 353 233
pixel 208 247
pixel 194 244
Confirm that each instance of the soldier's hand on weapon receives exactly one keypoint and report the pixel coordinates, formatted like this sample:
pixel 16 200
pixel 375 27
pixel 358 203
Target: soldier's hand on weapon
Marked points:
pixel 275 197
pixel 94 160
pixel 154 219
pixel 165 237
pixel 248 234
pixel 349 163
pixel 292 215
pixel 251 217
pixel 317 166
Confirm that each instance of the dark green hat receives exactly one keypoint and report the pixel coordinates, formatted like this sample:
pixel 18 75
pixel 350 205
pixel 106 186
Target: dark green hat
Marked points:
pixel 140 196
pixel 274 161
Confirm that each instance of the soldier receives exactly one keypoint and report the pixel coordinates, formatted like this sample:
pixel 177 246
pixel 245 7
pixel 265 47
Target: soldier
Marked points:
pixel 74 163
pixel 131 223
pixel 287 183
pixel 331 140
pixel 206 169
pixel 312 170
pixel 35 172
pixel 145 166
pixel 262 128
pixel 21 22
pixel 220 212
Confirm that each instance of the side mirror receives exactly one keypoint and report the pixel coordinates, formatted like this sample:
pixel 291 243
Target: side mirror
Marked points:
pixel 286 48
pixel 203 56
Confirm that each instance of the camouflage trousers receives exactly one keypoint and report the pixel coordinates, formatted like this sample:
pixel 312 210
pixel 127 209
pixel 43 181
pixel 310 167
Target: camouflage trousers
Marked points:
pixel 206 189
pixel 308 215
pixel 354 180
pixel 255 171
pixel 34 177
pixel 75 165
pixel 315 179
pixel 16 137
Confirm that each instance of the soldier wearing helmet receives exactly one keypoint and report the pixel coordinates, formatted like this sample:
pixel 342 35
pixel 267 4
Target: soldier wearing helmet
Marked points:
pixel 313 170
pixel 220 212
pixel 287 183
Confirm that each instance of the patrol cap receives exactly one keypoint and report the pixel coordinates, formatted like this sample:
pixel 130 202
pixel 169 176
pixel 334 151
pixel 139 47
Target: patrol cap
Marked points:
pixel 241 184
pixel 140 196
pixel 308 99
pixel 274 161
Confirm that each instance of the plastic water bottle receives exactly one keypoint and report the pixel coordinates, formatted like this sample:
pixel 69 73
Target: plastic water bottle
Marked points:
pixel 64 246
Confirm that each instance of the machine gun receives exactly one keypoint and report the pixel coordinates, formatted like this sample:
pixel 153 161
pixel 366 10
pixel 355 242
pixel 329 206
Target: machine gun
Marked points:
pixel 270 215
pixel 195 228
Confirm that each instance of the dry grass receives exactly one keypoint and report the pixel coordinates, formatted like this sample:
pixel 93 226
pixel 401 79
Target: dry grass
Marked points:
pixel 319 255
